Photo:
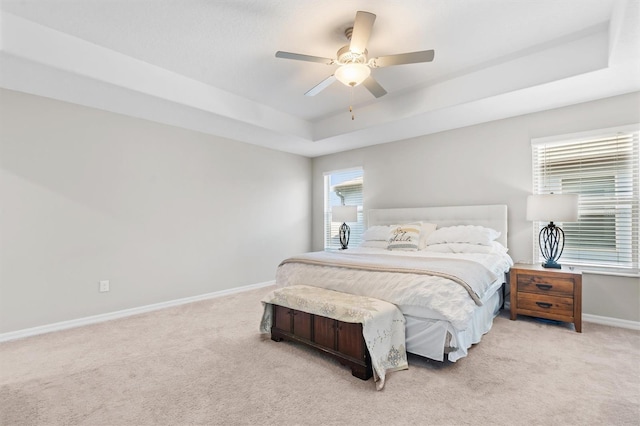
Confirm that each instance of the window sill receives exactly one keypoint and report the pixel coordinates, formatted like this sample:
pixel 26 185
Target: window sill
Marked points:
pixel 595 270
pixel 610 273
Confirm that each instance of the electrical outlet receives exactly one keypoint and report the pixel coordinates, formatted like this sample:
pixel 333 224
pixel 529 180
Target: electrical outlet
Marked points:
pixel 104 286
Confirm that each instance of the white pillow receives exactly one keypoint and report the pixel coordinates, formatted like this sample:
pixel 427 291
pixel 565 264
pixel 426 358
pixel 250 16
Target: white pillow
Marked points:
pixel 495 247
pixel 375 244
pixel 426 230
pixel 405 237
pixel 471 234
pixel 377 233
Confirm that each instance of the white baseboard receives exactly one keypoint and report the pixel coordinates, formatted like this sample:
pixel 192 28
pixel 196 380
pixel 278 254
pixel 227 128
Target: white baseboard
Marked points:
pixel 63 325
pixel 613 322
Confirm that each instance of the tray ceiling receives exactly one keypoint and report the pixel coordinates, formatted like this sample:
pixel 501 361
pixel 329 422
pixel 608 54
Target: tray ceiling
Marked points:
pixel 210 66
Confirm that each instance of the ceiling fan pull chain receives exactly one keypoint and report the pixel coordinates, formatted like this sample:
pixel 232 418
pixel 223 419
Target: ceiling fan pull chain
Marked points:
pixel 351 106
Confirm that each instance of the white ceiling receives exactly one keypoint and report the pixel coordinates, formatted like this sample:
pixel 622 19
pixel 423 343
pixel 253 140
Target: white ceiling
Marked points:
pixel 210 65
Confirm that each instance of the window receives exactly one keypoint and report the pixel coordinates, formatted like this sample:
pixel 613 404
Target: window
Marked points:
pixel 604 169
pixel 343 187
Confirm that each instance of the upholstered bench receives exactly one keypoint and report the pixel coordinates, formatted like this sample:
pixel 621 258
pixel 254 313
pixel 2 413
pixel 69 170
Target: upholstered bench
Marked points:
pixel 361 332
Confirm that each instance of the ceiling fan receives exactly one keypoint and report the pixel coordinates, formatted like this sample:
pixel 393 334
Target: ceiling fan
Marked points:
pixel 354 66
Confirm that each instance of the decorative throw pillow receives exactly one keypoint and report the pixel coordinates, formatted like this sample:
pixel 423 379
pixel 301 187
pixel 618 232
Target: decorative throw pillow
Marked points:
pixel 405 237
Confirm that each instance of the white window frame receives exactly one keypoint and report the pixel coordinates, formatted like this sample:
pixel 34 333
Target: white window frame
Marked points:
pixel 623 206
pixel 330 229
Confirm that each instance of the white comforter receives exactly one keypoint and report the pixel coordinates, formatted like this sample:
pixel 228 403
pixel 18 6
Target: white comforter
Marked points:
pixel 415 294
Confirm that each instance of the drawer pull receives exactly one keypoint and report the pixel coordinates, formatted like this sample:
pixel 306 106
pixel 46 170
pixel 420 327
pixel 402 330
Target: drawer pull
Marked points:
pixel 544 286
pixel 544 304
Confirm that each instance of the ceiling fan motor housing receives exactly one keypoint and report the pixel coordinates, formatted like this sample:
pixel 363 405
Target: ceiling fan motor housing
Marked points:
pixel 346 56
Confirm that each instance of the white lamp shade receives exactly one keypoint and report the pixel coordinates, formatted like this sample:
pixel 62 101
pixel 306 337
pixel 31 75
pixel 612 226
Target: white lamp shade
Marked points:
pixel 344 214
pixel 553 207
pixel 352 74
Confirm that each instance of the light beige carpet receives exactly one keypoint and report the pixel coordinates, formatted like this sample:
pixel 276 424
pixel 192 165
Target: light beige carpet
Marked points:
pixel 205 363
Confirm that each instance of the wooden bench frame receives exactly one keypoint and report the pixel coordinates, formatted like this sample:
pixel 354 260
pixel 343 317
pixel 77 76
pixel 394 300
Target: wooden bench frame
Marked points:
pixel 341 340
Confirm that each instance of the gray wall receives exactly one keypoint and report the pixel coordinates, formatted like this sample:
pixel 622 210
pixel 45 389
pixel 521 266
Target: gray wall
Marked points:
pixel 485 164
pixel 163 213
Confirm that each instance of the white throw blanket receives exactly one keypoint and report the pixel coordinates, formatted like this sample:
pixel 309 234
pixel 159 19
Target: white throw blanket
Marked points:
pixel 449 287
pixel 383 325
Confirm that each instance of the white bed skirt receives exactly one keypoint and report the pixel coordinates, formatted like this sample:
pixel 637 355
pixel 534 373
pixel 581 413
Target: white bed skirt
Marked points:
pixel 427 337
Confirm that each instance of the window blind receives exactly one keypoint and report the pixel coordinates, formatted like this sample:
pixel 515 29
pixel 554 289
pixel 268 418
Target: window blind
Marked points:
pixel 604 170
pixel 343 187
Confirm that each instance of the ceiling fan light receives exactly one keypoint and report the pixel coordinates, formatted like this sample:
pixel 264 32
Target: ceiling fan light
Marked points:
pixel 352 74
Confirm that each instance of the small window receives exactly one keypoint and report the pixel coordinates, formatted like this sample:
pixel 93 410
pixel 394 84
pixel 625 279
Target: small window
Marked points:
pixel 343 187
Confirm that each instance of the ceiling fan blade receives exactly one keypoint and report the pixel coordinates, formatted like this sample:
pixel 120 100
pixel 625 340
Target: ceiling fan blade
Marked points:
pixel 374 87
pixel 307 58
pixel 403 58
pixel 321 86
pixel 361 31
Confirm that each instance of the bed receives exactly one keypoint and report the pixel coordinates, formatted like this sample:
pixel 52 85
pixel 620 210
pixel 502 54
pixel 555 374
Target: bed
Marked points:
pixel 443 267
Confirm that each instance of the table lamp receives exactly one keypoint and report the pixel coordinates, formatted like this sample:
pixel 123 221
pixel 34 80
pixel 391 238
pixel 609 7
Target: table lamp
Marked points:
pixel 344 214
pixel 550 207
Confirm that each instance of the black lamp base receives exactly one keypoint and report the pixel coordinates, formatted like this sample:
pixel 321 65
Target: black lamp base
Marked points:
pixel 551 240
pixel 345 232
pixel 551 264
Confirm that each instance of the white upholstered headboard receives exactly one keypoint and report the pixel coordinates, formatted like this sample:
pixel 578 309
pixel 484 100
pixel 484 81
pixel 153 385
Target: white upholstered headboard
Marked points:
pixel 492 216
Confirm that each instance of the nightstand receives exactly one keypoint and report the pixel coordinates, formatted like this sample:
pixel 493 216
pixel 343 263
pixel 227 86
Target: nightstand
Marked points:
pixel 554 294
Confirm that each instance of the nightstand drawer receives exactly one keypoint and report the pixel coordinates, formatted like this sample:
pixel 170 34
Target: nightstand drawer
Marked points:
pixel 540 284
pixel 562 306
